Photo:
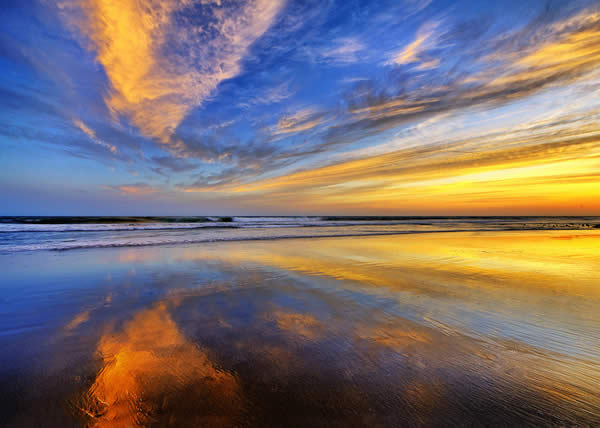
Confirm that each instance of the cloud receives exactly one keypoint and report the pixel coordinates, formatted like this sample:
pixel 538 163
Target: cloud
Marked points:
pixel 572 50
pixel 511 68
pixel 344 50
pixel 271 95
pixel 174 164
pixel 354 79
pixel 90 133
pixel 165 58
pixel 525 168
pixel 302 120
pixel 415 6
pixel 414 51
pixel 150 64
pixel 134 189
pixel 41 118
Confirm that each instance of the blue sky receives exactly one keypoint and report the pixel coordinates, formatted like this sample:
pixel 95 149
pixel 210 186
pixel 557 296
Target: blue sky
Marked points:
pixel 312 107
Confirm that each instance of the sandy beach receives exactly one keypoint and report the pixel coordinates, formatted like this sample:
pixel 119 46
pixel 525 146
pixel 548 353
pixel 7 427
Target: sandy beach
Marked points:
pixel 439 329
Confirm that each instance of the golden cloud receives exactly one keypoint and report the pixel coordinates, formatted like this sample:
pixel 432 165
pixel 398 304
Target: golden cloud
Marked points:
pixel 424 40
pixel 161 67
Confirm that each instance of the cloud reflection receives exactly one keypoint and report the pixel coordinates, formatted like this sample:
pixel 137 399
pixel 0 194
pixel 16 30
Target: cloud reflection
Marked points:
pixel 152 374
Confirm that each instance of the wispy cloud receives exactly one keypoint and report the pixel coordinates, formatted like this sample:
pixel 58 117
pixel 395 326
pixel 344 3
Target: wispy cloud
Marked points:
pixel 513 68
pixel 161 63
pixel 415 6
pixel 302 120
pixel 343 50
pixel 272 95
pixel 354 79
pixel 174 164
pixel 478 173
pixel 414 51
pixel 90 133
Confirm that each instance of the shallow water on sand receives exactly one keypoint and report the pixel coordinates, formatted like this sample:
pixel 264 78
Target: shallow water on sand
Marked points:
pixel 440 329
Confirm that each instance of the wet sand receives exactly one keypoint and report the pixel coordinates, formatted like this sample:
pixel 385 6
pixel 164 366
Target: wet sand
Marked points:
pixel 440 329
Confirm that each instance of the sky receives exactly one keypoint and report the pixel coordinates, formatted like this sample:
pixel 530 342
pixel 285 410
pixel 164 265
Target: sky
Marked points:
pixel 258 107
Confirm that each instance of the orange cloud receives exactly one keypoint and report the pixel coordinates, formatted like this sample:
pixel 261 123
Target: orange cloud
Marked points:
pixel 134 189
pixel 158 72
pixel 563 52
pixel 536 169
pixel 413 51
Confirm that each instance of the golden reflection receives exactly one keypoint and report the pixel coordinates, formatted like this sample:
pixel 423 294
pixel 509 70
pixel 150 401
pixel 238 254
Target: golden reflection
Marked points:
pixel 152 374
pixel 394 337
pixel 301 324
pixel 520 368
pixel 529 263
pixel 84 316
pixel 77 320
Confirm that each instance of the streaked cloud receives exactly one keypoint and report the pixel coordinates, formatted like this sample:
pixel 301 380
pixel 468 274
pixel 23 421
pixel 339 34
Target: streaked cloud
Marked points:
pixel 523 169
pixel 413 52
pixel 302 120
pixel 271 95
pixel 354 79
pixel 344 50
pixel 505 73
pixel 90 133
pixel 134 189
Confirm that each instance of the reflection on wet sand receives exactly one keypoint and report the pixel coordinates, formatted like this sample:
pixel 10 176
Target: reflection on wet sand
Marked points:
pixel 152 375
pixel 304 325
pixel 522 285
pixel 545 262
pixel 79 319
pixel 478 329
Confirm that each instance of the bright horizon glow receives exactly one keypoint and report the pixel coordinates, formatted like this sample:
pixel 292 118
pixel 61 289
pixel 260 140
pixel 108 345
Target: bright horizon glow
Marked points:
pixel 416 107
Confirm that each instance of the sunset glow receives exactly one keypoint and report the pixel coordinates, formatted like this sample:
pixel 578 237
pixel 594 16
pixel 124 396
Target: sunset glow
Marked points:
pixel 276 107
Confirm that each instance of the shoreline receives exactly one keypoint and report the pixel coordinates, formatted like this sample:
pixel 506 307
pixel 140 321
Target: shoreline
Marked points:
pixel 89 246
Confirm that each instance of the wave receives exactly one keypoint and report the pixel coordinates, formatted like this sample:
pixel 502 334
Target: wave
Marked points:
pixel 118 227
pixel 108 227
pixel 83 224
pixel 182 237
pixel 73 244
pixel 111 219
pixel 29 235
